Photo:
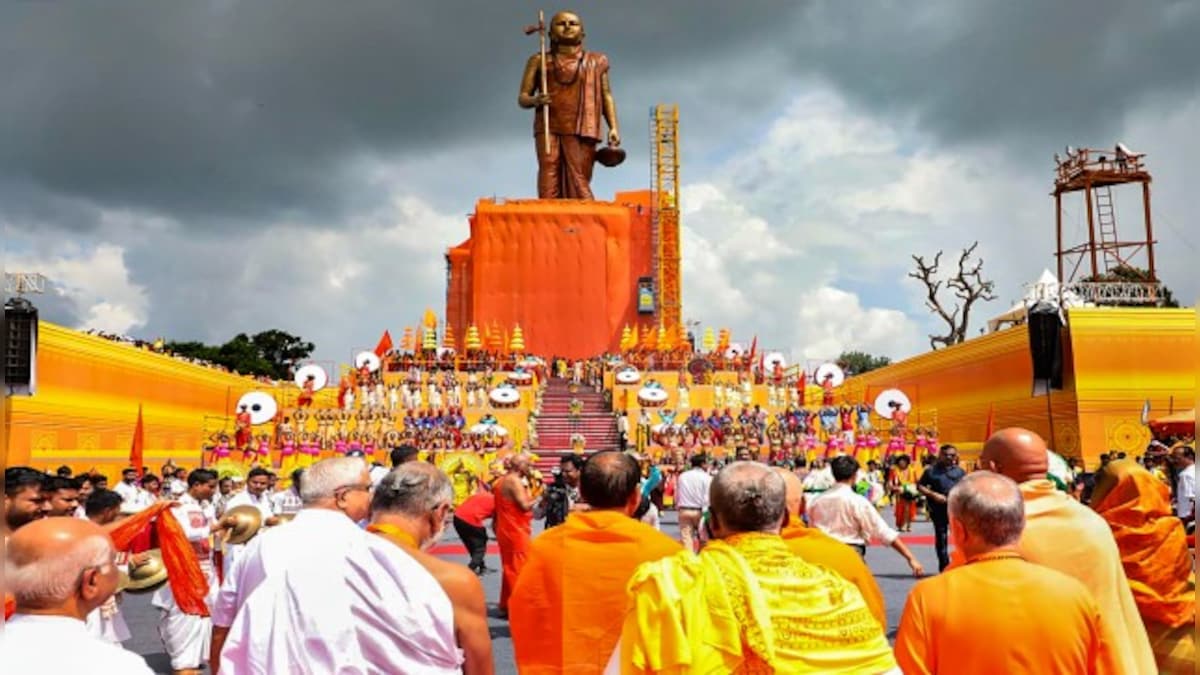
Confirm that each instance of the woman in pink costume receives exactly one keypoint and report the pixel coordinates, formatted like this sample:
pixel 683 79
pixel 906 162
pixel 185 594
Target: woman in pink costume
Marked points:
pixel 920 445
pixel 287 455
pixel 355 444
pixel 220 451
pixel 862 448
pixel 340 446
pixel 895 446
pixel 833 447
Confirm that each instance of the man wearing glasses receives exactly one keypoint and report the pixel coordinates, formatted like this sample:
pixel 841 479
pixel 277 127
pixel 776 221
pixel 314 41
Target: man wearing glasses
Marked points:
pixel 365 604
pixel 60 570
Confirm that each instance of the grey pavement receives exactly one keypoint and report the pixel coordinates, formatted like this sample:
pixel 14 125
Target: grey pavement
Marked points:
pixel 892 573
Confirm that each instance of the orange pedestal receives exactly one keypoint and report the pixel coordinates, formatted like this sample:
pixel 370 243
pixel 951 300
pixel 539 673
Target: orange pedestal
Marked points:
pixel 566 271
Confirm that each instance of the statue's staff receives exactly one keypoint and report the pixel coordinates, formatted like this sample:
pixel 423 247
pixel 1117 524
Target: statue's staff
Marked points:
pixel 540 29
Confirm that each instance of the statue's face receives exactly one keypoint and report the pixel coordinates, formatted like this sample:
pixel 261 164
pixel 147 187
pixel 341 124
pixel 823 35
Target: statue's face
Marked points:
pixel 566 28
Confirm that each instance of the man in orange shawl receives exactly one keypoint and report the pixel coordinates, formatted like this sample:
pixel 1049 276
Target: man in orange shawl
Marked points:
pixel 514 524
pixel 569 604
pixel 999 613
pixel 1154 553
pixel 1065 535
pixel 814 546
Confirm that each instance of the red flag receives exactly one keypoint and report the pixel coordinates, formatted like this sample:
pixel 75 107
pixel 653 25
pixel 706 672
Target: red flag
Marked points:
pixel 991 422
pixel 137 450
pixel 753 348
pixel 385 344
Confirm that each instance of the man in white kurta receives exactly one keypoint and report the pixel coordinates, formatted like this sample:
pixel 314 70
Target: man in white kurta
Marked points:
pixel 255 495
pixel 186 636
pixel 59 571
pixel 320 594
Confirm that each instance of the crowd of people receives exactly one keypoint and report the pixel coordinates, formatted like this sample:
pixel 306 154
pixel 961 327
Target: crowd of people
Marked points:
pixel 159 346
pixel 765 577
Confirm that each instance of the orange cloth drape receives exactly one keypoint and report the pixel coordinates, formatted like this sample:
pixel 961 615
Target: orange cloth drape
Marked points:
pixel 1152 541
pixel 10 605
pixel 188 583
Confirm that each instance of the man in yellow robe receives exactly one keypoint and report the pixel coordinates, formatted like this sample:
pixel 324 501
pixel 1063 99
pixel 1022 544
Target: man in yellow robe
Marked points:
pixel 746 603
pixel 1065 535
pixel 814 546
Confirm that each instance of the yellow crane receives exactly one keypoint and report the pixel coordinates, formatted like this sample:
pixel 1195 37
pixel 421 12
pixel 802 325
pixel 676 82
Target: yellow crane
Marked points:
pixel 664 205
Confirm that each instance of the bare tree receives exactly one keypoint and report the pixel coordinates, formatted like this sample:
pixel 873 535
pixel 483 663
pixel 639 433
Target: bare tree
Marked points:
pixel 968 285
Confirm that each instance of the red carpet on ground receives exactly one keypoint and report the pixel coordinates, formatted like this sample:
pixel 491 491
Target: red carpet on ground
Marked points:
pixel 493 549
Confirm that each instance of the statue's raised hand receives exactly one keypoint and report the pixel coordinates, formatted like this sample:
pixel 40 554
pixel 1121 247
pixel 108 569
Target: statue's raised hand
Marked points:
pixel 614 137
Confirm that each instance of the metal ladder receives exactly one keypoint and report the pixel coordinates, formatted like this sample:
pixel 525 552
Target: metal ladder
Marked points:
pixel 1106 217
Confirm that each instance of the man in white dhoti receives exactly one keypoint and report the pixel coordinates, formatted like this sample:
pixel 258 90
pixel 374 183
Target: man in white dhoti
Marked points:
pixel 102 508
pixel 186 636
pixel 320 595
pixel 60 570
pixel 255 495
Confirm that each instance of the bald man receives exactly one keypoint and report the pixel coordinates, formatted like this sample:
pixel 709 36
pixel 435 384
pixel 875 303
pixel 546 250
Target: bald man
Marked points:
pixel 411 507
pixel 1035 619
pixel 59 571
pixel 513 523
pixel 814 546
pixel 1065 535
pixel 746 603
pixel 577 572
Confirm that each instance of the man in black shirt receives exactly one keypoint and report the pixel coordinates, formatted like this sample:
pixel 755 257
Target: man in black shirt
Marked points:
pixel 563 495
pixel 935 484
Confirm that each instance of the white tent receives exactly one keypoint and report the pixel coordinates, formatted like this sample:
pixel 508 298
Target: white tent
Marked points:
pixel 1045 289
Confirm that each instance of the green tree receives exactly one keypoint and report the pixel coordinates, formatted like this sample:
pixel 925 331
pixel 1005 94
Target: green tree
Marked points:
pixel 282 350
pixel 857 363
pixel 272 353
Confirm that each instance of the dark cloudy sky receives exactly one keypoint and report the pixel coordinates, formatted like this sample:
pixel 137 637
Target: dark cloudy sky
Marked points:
pixel 197 169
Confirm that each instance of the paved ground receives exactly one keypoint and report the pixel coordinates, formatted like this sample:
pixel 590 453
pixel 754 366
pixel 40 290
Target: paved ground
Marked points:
pixel 890 570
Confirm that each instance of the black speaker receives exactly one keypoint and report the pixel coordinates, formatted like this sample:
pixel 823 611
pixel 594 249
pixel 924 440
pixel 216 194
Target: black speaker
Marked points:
pixel 20 345
pixel 1045 347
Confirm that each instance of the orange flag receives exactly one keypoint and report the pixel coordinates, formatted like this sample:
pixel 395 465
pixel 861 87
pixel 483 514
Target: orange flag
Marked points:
pixel 137 450
pixel 187 581
pixel 991 422
pixel 385 344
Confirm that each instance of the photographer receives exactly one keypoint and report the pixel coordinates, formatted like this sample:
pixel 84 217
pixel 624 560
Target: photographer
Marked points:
pixel 562 496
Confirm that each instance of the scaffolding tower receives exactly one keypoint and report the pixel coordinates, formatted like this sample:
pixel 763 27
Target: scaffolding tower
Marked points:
pixel 664 204
pixel 1095 173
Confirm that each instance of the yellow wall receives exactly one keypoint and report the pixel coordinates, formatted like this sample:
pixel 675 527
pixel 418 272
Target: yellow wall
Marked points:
pixel 86 405
pixel 1114 359
pixel 1124 357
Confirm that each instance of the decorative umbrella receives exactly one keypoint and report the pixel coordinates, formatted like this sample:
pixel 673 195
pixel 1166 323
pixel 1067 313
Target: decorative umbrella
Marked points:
pixel 472 339
pixel 517 342
pixel 709 342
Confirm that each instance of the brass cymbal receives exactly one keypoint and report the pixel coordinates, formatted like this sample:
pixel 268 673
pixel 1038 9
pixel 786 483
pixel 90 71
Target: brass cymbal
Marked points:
pixel 248 522
pixel 145 577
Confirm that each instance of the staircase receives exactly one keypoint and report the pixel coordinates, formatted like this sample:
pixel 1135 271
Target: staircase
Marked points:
pixel 554 426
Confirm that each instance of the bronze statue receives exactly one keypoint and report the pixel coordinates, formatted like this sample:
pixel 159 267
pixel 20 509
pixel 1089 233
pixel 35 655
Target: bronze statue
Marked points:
pixel 574 89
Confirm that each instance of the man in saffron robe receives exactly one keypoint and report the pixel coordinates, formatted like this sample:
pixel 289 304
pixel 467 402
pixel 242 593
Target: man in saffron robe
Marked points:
pixel 1064 535
pixel 513 523
pixel 814 546
pixel 1154 553
pixel 569 603
pixel 746 603
pixel 411 508
pixel 997 612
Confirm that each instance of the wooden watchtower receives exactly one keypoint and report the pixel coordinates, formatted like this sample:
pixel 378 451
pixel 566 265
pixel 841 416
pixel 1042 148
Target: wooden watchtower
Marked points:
pixel 1095 173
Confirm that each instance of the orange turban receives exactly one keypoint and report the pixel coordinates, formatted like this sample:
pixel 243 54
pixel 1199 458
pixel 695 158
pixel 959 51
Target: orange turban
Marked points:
pixel 1152 541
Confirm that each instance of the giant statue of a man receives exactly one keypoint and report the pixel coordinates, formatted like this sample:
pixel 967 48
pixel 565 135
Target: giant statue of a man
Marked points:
pixel 577 95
